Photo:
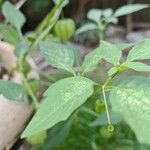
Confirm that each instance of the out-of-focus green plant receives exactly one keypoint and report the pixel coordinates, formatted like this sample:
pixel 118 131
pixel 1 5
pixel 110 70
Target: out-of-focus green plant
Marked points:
pixel 64 29
pixel 101 18
pixel 10 31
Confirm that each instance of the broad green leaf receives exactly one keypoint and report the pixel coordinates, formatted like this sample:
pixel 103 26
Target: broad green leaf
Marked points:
pixel 91 61
pixel 131 98
pixel 95 15
pixel 22 48
pixel 13 15
pixel 58 55
pixel 86 27
pixel 61 99
pixel 56 135
pixel 130 8
pixel 108 51
pixel 77 53
pixel 9 34
pixel 102 119
pixel 140 51
pixel 138 66
pixel 11 90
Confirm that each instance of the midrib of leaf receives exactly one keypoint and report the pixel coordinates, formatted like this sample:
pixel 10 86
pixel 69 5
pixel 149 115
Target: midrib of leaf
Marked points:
pixel 52 114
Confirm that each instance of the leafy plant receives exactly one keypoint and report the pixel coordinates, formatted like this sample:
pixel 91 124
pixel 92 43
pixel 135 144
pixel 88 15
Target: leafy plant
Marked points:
pixel 101 18
pixel 126 99
pixel 64 96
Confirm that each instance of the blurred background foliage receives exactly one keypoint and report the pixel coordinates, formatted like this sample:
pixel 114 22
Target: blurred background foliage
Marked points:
pixel 35 10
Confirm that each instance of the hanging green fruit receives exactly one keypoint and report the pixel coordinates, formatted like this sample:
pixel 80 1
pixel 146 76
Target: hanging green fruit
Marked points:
pixel 37 139
pixel 64 29
pixel 105 133
pixel 99 106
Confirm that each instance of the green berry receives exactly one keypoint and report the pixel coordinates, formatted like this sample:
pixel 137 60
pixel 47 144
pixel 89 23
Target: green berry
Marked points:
pixel 99 106
pixel 110 128
pixel 37 139
pixel 105 133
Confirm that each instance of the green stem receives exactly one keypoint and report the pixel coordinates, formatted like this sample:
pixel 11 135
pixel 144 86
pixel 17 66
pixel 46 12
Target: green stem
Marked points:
pixel 101 35
pixel 20 34
pixel 87 110
pixel 30 92
pixel 27 86
pixel 106 106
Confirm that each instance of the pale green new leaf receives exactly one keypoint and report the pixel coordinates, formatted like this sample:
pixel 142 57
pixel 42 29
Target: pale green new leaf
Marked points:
pixel 108 51
pixel 61 99
pixel 102 119
pixel 11 90
pixel 58 55
pixel 111 19
pixel 140 51
pixel 9 34
pixel 86 27
pixel 128 9
pixel 95 15
pixel 131 98
pixel 13 15
pixel 107 12
pixel 138 66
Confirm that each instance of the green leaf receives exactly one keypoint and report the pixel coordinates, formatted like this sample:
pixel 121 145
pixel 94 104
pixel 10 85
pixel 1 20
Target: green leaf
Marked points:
pixel 110 52
pixel 13 15
pixel 86 27
pixel 58 55
pixel 91 61
pixel 11 90
pixel 128 9
pixel 140 51
pixel 138 66
pixel 131 98
pixel 123 46
pixel 111 19
pixel 22 48
pixel 107 51
pixel 56 135
pixel 61 99
pixel 102 119
pixel 107 12
pixel 9 34
pixel 95 15
pixel 77 53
